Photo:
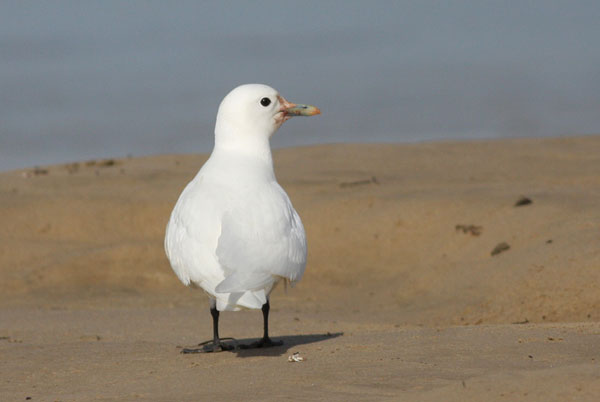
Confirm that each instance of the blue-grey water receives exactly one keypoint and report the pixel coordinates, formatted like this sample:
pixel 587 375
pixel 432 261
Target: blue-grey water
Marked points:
pixel 83 79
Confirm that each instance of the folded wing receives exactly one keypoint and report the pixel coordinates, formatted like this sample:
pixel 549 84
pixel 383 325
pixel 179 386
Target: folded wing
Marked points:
pixel 262 240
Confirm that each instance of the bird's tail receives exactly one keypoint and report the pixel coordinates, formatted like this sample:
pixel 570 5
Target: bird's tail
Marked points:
pixel 244 289
pixel 245 281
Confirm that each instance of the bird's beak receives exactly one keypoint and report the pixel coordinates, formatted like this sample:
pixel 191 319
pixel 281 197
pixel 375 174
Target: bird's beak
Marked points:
pixel 292 109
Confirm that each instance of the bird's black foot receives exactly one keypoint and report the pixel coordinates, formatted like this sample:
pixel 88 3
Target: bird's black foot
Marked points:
pixel 211 347
pixel 263 343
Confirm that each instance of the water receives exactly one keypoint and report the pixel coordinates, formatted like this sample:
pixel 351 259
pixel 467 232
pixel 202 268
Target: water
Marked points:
pixel 82 80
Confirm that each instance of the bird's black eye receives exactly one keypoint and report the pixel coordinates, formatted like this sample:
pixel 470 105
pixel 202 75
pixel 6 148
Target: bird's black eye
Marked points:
pixel 265 102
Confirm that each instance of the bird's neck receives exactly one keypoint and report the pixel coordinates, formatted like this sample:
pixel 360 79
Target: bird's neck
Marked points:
pixel 248 149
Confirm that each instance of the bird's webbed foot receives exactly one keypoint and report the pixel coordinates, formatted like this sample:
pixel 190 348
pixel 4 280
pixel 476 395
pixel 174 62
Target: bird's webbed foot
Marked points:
pixel 211 346
pixel 262 343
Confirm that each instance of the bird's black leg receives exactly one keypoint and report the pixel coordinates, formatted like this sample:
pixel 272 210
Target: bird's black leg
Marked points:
pixel 215 345
pixel 265 341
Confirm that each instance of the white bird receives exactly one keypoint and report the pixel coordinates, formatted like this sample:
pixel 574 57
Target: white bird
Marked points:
pixel 234 231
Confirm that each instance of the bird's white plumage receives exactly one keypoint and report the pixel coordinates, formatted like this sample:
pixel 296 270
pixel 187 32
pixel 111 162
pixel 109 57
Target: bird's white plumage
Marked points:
pixel 234 231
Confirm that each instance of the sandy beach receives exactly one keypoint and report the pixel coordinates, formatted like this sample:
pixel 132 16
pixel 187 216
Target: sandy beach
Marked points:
pixel 436 271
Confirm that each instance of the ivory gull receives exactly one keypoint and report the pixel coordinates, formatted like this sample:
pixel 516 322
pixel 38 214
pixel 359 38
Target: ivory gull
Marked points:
pixel 234 231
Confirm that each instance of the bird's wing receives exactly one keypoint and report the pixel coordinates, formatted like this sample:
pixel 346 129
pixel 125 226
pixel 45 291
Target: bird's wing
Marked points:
pixel 261 237
pixel 191 236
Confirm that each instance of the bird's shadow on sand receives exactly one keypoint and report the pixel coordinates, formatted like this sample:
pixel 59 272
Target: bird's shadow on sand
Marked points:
pixel 289 342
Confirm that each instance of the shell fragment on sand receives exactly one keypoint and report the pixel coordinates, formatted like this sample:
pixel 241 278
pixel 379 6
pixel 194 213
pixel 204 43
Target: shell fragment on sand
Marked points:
pixel 295 358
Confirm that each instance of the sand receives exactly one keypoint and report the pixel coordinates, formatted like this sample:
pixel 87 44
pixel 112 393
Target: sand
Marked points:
pixel 402 298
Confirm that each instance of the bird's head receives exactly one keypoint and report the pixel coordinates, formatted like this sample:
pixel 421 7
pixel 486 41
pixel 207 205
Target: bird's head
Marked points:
pixel 256 111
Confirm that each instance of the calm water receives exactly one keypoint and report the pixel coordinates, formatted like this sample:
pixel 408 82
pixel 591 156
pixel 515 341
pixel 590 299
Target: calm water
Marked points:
pixel 83 80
